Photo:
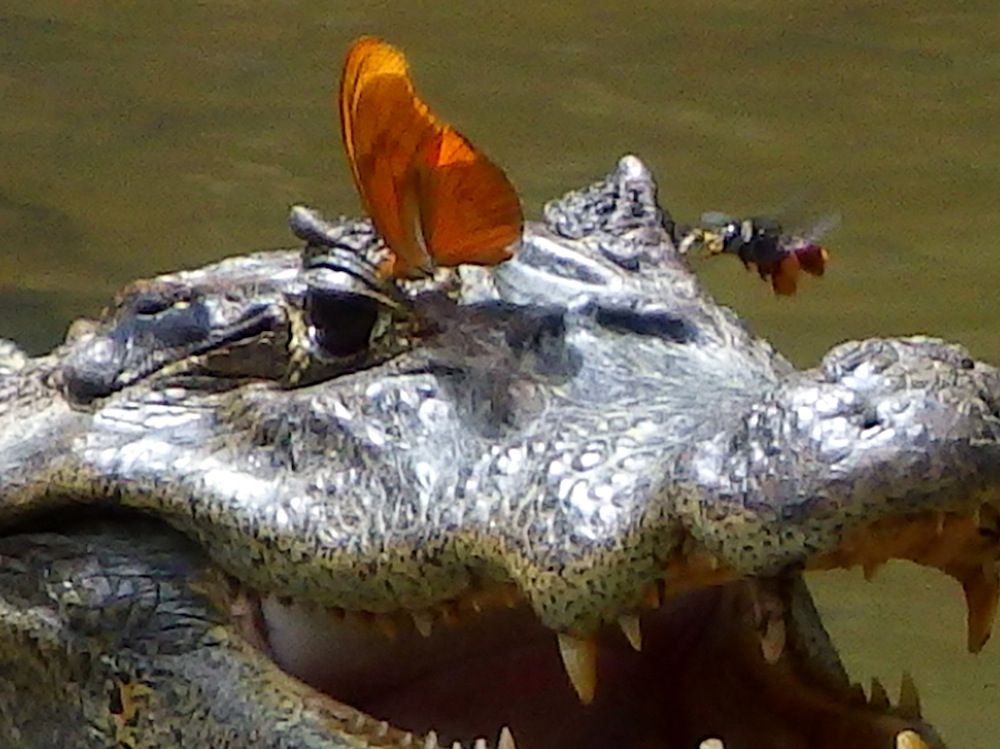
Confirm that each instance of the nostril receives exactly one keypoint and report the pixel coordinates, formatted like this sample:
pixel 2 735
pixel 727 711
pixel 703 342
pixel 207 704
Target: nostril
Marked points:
pixel 870 420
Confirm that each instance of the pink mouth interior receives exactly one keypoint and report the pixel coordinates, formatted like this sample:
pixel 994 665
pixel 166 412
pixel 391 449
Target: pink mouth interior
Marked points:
pixel 700 675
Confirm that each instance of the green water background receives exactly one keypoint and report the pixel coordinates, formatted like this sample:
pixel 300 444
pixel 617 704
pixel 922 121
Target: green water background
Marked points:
pixel 137 138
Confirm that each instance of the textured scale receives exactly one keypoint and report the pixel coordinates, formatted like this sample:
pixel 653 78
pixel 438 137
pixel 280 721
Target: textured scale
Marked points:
pixel 583 412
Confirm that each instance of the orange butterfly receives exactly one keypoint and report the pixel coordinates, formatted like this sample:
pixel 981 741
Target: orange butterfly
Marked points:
pixel 433 197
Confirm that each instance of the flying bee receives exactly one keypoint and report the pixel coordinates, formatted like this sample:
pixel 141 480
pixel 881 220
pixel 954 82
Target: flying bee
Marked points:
pixel 761 242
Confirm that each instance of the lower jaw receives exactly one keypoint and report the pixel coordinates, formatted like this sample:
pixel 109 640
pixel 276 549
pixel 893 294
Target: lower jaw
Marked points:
pixel 701 674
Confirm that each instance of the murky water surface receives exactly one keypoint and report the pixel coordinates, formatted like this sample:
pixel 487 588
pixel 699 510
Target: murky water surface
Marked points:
pixel 136 138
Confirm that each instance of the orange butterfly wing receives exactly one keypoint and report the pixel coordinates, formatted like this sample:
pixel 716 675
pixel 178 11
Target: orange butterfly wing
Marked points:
pixel 431 195
pixel 468 209
pixel 384 127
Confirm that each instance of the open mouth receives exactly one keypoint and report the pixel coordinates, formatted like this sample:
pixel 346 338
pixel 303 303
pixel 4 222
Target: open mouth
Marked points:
pixel 741 664
pixel 706 670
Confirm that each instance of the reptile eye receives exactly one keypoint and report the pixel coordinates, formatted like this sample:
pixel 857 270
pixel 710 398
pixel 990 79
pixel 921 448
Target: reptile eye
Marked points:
pixel 347 305
pixel 343 323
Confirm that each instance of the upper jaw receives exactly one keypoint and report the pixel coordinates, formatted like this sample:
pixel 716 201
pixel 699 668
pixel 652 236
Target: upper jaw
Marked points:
pixel 889 450
pixel 740 515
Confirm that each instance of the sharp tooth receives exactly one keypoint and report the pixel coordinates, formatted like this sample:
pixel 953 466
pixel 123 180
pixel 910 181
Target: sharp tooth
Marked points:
pixel 910 740
pixel 579 658
pixel 857 696
pixel 869 569
pixel 423 621
pixel 510 596
pixel 981 593
pixel 431 741
pixel 456 745
pixel 357 726
pixel 407 740
pixel 880 698
pixel 629 624
pixel 480 743
pixel 711 744
pixel 909 699
pixel 381 730
pixel 506 740
pixel 772 641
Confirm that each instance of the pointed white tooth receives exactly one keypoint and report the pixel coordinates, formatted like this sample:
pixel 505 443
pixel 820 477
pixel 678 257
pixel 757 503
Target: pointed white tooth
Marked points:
pixel 431 740
pixel 358 722
pixel 629 624
pixel 510 596
pixel 381 730
pixel 456 745
pixel 479 743
pixel 423 621
pixel 909 699
pixel 506 740
pixel 870 568
pixel 982 594
pixel 857 695
pixel 579 656
pixel 711 744
pixel 772 642
pixel 879 697
pixel 910 740
pixel 407 740
pixel 939 524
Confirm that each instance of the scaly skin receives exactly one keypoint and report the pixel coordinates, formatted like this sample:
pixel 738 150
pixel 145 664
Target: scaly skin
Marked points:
pixel 116 636
pixel 584 425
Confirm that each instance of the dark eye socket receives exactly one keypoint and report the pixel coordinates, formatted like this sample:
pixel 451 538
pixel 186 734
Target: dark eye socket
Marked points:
pixel 345 299
pixel 165 320
pixel 152 303
pixel 343 322
pixel 655 324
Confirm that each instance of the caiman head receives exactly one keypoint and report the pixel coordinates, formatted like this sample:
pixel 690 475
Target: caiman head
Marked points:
pixel 561 502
